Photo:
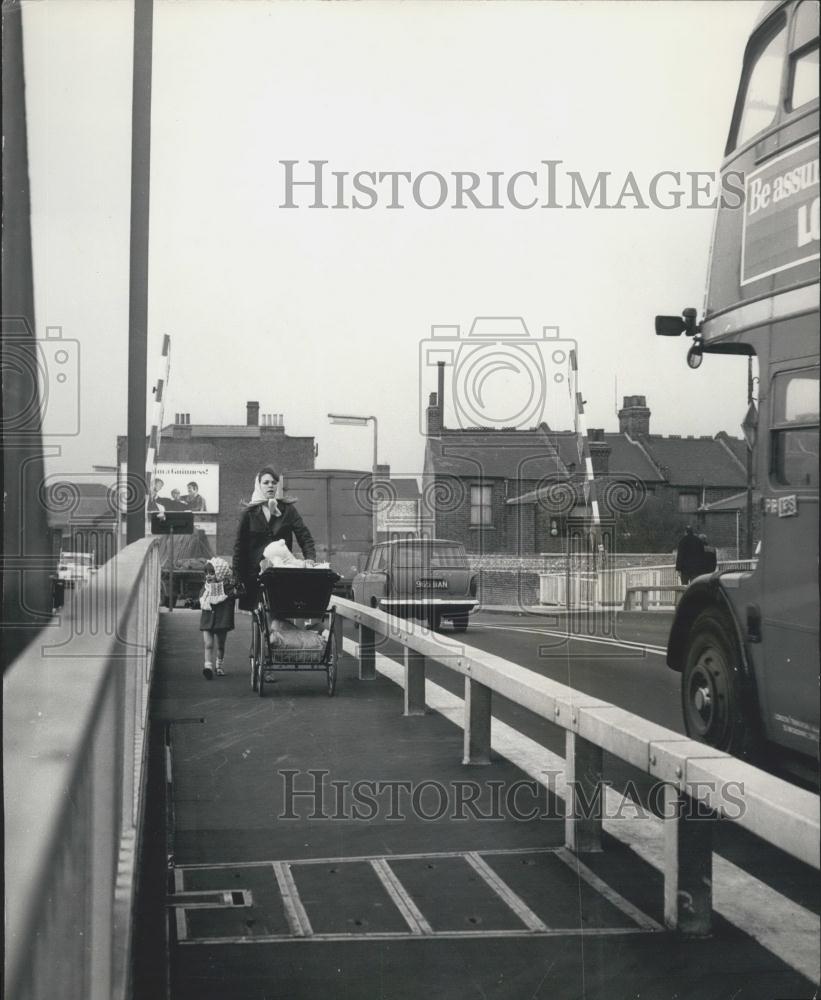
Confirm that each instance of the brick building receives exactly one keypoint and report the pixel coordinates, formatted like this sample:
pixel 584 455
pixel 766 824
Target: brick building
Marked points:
pixel 521 491
pixel 238 450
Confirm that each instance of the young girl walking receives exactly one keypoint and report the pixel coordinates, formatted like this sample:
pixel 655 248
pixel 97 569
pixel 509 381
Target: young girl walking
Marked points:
pixel 217 618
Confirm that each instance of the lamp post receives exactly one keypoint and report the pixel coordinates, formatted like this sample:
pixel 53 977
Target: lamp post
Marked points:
pixel 353 421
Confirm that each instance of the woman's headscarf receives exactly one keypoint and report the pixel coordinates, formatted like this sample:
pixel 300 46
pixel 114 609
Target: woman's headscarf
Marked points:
pixel 258 498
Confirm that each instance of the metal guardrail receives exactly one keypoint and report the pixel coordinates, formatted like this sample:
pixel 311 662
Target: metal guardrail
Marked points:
pixel 74 716
pixel 699 784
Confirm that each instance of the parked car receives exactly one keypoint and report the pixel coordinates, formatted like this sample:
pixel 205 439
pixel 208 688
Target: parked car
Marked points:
pixel 419 578
pixel 75 567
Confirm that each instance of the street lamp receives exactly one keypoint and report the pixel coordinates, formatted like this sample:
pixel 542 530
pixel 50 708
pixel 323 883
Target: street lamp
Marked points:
pixel 351 421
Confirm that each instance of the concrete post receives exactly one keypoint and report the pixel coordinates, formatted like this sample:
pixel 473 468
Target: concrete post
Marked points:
pixel 367 657
pixel 477 723
pixel 585 793
pixel 339 621
pixel 414 682
pixel 688 865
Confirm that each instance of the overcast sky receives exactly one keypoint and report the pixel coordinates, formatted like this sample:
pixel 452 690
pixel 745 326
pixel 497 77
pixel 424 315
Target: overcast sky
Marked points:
pixel 317 310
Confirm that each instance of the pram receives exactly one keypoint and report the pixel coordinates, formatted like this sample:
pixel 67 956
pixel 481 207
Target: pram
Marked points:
pixel 277 644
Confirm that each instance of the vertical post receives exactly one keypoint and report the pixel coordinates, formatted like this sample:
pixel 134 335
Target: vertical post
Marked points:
pixel 477 723
pixel 414 682
pixel 367 654
pixel 585 792
pixel 748 541
pixel 138 276
pixel 688 865
pixel 171 601
pixel 26 588
pixel 338 622
pixel 373 483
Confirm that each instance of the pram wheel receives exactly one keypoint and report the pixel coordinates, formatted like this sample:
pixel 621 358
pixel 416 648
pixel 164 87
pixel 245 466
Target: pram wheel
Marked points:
pixel 255 653
pixel 330 669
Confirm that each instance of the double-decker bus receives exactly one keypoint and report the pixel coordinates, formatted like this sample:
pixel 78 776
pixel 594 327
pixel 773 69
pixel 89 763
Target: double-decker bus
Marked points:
pixel 746 643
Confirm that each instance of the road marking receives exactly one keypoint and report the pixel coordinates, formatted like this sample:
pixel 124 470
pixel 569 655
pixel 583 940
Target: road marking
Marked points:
pixel 210 899
pixel 418 925
pixel 643 647
pixel 414 917
pixel 503 890
pixel 407 936
pixel 603 889
pixel 359 858
pixel 294 910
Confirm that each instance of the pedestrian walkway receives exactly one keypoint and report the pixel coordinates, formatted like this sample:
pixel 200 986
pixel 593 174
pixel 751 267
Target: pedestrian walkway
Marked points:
pixel 332 847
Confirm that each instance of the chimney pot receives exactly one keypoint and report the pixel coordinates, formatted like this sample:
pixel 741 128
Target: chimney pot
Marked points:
pixel 252 413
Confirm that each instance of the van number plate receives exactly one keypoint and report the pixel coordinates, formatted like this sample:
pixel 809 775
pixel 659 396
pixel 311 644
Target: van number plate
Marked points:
pixel 431 584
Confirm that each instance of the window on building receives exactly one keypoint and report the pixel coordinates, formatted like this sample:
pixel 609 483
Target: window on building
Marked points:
pixel 763 84
pixel 688 503
pixel 794 451
pixel 481 511
pixel 804 55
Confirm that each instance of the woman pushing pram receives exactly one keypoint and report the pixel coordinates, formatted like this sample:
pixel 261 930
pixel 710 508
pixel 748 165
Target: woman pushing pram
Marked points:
pixel 269 517
pixel 279 588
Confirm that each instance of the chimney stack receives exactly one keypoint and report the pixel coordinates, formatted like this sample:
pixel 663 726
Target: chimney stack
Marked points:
pixel 634 417
pixel 252 414
pixel 436 409
pixel 440 388
pixel 599 451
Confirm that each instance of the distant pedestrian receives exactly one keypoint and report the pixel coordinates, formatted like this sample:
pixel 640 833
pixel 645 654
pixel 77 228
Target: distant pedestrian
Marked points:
pixel 709 557
pixel 217 617
pixel 689 556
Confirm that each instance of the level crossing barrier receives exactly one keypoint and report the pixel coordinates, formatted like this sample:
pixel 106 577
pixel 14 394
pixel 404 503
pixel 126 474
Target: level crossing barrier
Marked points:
pixel 699 785
pixel 573 588
pixel 74 756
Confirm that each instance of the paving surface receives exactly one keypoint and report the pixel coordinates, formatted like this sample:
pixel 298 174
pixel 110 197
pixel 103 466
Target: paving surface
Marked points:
pixel 332 847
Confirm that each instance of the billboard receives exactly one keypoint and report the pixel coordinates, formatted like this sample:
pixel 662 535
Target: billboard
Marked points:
pixel 183 486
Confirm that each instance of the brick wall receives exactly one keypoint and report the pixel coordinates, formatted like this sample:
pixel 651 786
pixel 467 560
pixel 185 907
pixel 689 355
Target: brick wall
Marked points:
pixel 519 588
pixel 512 528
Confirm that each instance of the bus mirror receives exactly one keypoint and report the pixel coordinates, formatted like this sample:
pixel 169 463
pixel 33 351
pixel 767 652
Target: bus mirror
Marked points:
pixel 695 356
pixel 669 326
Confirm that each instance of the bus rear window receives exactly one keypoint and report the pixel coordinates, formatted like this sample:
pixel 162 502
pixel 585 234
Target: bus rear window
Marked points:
pixel 795 429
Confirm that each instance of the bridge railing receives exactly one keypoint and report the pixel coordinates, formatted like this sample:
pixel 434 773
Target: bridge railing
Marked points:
pixel 74 746
pixel 698 784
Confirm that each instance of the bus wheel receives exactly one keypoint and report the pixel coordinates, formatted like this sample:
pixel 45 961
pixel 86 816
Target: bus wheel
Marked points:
pixel 712 687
